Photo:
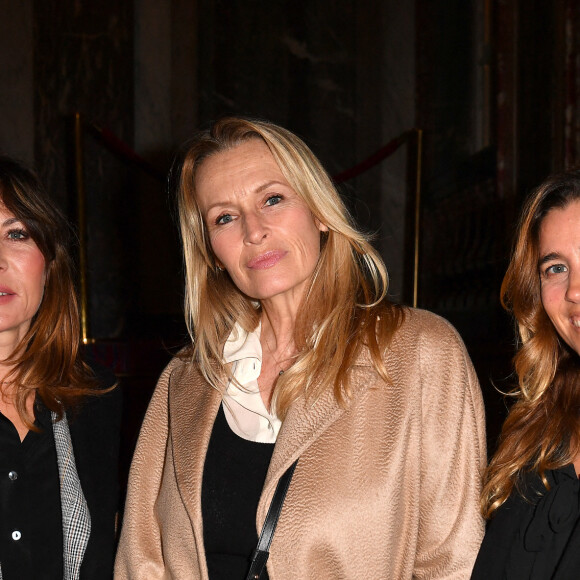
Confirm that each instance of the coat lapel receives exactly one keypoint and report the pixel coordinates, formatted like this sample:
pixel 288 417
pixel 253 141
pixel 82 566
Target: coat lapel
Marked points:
pixel 305 422
pixel 193 406
pixel 76 520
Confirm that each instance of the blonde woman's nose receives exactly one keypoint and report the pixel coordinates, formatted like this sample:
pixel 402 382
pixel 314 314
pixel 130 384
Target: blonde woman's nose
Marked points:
pixel 254 229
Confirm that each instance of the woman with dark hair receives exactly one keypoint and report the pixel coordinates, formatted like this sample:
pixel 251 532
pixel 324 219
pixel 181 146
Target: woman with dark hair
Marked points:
pixel 532 491
pixel 58 432
pixel 297 355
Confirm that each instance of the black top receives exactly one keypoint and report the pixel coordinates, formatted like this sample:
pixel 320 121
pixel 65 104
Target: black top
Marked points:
pixel 94 428
pixel 233 477
pixel 30 512
pixel 537 538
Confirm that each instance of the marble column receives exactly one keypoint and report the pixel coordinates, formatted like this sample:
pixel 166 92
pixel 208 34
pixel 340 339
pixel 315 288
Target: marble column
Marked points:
pixel 17 80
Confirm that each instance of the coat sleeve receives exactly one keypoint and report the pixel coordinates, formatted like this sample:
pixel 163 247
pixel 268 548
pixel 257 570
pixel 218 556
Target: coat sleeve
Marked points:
pixel 453 457
pixel 140 555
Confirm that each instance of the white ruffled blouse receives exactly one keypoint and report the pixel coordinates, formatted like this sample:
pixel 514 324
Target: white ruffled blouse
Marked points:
pixel 244 408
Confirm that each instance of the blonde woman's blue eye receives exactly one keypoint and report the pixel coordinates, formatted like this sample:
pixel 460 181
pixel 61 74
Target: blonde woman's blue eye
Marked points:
pixel 223 219
pixel 274 200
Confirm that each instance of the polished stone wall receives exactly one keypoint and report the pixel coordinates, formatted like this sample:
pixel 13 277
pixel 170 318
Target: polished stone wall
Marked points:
pixel 385 108
pixel 83 63
pixel 17 80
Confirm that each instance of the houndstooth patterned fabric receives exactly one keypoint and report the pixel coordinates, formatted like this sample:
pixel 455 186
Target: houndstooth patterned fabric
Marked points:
pixel 76 520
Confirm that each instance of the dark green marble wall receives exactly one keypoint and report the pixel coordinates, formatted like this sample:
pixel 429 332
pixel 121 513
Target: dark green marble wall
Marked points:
pixel 83 62
pixel 292 62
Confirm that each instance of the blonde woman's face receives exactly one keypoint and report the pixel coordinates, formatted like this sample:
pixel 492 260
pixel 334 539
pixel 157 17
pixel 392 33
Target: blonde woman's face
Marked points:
pixel 559 269
pixel 261 231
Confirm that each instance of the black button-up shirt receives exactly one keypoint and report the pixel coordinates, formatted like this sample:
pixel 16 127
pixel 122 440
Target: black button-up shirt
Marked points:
pixel 31 544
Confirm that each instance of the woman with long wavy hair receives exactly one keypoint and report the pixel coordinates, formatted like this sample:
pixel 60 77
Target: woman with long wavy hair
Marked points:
pixel 298 355
pixel 59 429
pixel 532 491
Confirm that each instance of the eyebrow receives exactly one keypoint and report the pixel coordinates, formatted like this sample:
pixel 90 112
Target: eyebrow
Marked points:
pixel 10 221
pixel 548 258
pixel 269 184
pixel 259 189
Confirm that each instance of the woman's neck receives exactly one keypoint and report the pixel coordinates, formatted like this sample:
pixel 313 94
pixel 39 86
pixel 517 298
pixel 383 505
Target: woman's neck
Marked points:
pixel 277 335
pixel 278 351
pixel 577 465
pixel 9 410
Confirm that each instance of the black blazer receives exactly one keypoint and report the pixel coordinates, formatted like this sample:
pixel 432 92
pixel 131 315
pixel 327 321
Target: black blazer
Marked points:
pixel 94 427
pixel 536 537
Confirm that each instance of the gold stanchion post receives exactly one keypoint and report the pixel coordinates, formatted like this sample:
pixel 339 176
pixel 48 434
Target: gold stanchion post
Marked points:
pixel 417 224
pixel 82 226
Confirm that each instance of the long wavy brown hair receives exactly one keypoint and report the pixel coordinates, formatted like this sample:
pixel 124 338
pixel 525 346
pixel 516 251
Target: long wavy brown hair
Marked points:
pixel 47 361
pixel 542 429
pixel 346 297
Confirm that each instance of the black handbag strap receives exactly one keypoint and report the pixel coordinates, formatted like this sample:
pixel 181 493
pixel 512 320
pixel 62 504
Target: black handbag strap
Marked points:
pixel 262 551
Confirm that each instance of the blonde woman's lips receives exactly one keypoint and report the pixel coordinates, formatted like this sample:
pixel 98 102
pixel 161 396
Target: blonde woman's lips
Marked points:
pixel 266 260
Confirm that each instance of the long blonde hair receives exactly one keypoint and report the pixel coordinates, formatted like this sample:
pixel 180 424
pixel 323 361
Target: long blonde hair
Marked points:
pixel 541 431
pixel 347 294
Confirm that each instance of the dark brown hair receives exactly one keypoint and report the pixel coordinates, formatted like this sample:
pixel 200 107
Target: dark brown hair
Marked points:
pixel 541 431
pixel 47 360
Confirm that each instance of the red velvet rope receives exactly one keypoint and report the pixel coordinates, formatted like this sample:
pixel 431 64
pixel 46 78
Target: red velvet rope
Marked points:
pixel 121 148
pixel 373 160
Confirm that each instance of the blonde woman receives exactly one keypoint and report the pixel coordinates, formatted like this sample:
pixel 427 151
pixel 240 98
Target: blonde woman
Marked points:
pixel 297 354
pixel 532 491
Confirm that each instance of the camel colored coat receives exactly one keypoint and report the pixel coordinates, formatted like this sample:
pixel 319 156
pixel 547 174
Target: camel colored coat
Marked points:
pixel 385 489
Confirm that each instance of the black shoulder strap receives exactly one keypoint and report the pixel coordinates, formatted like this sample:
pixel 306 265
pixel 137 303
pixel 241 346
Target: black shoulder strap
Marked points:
pixel 262 551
